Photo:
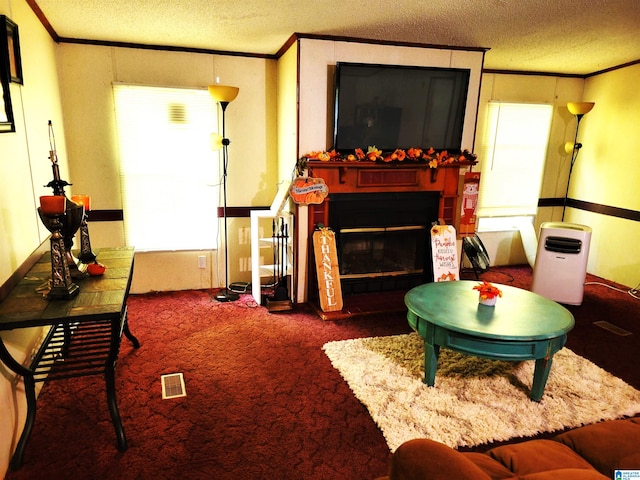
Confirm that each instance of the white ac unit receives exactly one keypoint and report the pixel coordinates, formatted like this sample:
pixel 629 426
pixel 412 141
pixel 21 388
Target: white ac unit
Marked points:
pixel 561 262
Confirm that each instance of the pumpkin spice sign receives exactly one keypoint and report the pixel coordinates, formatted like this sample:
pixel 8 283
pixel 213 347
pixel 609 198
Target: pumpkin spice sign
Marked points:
pixel 444 251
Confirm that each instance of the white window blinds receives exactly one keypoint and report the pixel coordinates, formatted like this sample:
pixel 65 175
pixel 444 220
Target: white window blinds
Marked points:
pixel 169 174
pixel 513 152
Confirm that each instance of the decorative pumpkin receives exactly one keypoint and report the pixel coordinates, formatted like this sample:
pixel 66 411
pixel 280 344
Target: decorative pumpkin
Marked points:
pixel 308 190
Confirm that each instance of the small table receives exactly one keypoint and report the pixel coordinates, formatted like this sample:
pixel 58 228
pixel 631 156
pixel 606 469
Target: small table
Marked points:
pixel 84 338
pixel 522 326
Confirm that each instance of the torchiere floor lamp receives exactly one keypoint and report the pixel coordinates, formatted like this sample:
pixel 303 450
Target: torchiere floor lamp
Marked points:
pixel 224 95
pixel 579 109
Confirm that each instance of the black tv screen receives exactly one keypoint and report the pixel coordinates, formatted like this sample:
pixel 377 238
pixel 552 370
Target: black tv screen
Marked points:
pixel 391 106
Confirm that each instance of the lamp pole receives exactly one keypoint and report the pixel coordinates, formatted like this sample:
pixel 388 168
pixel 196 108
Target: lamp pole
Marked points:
pixel 224 95
pixel 225 295
pixel 574 155
pixel 579 109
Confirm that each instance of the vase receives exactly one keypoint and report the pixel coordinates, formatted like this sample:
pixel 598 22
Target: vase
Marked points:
pixel 489 302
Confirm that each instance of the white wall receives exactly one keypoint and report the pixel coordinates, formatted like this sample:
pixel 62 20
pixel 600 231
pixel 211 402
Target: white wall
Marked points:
pixel 506 248
pixel 606 173
pixel 87 74
pixel 25 170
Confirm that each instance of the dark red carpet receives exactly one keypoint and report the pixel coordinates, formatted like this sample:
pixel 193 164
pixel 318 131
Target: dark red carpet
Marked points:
pixel 263 400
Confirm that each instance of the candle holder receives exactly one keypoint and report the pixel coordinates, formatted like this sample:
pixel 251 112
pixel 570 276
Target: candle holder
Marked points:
pixel 52 212
pixel 86 254
pixel 66 224
pixel 72 217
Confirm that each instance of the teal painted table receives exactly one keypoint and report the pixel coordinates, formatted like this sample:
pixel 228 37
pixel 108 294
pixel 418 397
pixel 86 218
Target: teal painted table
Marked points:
pixel 522 326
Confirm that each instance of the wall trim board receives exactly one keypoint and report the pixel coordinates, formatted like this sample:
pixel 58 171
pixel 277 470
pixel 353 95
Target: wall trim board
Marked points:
pixel 238 212
pixel 608 210
pixel 105 216
pixel 118 215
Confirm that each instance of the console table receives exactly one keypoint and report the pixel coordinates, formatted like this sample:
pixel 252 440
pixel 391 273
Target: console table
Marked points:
pixel 85 333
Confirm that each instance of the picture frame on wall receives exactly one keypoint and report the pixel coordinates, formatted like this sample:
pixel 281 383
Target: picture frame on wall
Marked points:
pixel 10 70
pixel 6 113
pixel 10 44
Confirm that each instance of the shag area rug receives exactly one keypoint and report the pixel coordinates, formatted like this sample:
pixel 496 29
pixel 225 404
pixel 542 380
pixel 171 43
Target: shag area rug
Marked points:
pixel 474 400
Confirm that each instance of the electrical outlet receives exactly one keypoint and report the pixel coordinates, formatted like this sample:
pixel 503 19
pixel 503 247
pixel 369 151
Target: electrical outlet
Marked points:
pixel 245 264
pixel 243 237
pixel 202 261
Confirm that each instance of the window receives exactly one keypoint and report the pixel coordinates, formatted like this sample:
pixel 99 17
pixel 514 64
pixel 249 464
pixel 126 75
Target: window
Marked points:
pixel 513 152
pixel 169 174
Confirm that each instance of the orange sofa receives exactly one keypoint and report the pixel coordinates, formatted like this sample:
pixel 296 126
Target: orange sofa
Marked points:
pixel 586 453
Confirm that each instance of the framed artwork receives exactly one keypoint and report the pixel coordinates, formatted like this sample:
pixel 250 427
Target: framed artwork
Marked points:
pixel 10 70
pixel 6 113
pixel 10 43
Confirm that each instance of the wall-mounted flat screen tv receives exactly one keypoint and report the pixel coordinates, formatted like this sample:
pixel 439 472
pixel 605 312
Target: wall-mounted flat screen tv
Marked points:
pixel 391 106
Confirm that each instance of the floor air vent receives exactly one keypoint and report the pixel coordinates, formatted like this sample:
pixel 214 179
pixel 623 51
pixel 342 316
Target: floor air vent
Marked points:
pixel 173 386
pixel 612 328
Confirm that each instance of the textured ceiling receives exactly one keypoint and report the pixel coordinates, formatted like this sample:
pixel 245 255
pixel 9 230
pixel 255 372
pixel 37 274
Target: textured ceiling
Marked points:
pixel 559 36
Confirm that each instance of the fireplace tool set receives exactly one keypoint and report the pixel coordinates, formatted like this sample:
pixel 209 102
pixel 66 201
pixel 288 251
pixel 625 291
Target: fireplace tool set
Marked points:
pixel 63 218
pixel 280 237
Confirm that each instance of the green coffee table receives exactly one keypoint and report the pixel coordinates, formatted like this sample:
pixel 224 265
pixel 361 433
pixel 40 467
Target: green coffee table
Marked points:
pixel 522 326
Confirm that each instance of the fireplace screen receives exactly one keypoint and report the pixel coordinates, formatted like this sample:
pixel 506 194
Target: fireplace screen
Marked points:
pixel 370 252
pixel 382 239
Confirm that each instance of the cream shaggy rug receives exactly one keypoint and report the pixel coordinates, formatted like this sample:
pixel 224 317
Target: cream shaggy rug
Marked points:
pixel 474 401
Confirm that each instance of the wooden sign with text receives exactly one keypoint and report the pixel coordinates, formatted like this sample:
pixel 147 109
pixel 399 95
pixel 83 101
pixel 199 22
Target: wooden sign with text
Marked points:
pixel 444 249
pixel 324 247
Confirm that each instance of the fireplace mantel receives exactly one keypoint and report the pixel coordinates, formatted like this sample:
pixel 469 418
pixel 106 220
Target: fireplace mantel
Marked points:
pixel 369 177
pixel 343 177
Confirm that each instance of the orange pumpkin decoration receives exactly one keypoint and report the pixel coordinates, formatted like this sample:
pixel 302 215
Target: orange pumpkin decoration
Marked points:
pixel 308 190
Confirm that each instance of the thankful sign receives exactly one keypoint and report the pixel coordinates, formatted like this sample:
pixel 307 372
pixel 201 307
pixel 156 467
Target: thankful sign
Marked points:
pixel 324 246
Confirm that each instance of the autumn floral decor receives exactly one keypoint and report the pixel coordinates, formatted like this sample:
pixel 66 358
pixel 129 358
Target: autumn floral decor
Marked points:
pixel 373 154
pixel 488 293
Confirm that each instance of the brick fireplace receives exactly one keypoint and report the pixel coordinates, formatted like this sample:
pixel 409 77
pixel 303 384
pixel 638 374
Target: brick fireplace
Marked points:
pixel 382 214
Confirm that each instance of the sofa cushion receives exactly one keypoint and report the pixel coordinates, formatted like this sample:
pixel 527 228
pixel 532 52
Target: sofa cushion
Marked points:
pixel 488 465
pixel 607 446
pixel 423 458
pixel 536 456
pixel 566 474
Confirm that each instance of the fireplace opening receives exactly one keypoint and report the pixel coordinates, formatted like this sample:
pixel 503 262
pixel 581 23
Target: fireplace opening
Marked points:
pixel 383 239
pixel 378 251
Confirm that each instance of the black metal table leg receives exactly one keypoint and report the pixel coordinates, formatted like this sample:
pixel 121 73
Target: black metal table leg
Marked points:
pixel 129 335
pixel 118 325
pixel 109 376
pixel 30 393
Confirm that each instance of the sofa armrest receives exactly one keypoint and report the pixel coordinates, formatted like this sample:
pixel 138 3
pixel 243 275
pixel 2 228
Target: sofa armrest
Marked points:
pixel 607 446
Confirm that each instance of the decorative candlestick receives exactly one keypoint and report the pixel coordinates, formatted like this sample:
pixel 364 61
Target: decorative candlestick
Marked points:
pixel 71 218
pixel 86 255
pixel 51 211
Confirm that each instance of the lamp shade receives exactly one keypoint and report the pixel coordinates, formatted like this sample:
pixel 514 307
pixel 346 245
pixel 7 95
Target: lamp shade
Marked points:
pixel 223 93
pixel 580 108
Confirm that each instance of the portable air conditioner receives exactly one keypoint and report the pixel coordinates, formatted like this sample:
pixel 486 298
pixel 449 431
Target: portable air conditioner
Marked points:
pixel 561 262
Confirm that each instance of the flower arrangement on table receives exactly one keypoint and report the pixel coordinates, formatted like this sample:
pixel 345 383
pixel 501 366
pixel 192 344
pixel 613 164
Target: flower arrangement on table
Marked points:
pixel 488 293
pixel 373 154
